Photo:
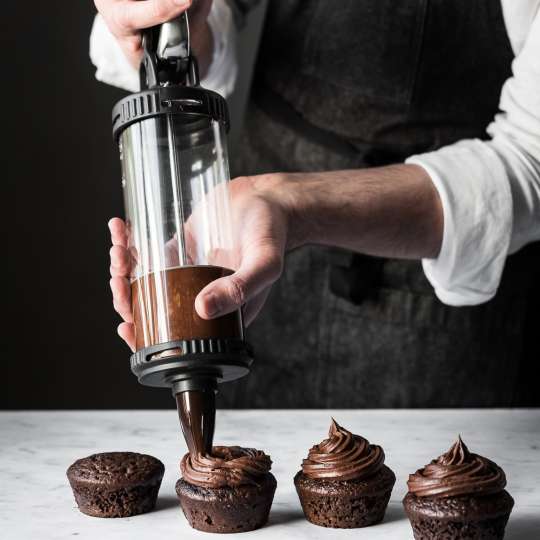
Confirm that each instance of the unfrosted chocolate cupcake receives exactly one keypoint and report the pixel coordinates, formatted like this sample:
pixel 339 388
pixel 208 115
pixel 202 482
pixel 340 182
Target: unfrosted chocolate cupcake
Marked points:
pixel 458 496
pixel 229 491
pixel 116 484
pixel 344 482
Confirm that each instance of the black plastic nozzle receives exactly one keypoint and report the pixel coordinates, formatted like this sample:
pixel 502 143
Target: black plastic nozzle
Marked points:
pixel 197 413
pixel 192 370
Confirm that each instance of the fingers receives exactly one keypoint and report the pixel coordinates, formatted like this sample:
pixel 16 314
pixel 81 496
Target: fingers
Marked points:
pixel 122 258
pixel 131 16
pixel 127 332
pixel 118 232
pixel 132 47
pixel 189 240
pixel 125 19
pixel 258 271
pixel 171 252
pixel 120 261
pixel 122 298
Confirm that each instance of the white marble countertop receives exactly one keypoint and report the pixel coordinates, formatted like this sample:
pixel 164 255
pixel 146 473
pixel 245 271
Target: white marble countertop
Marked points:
pixel 37 447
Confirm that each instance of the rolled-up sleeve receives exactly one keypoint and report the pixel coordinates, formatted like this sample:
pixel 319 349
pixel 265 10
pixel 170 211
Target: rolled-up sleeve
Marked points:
pixel 490 190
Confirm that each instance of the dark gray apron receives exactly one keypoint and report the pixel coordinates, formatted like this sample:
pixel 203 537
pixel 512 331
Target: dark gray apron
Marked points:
pixel 362 83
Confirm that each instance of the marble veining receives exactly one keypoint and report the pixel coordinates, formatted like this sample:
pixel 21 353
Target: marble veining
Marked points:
pixel 37 447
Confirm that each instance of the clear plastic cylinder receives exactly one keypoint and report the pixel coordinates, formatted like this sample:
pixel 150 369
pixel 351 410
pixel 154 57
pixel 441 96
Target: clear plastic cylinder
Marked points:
pixel 175 177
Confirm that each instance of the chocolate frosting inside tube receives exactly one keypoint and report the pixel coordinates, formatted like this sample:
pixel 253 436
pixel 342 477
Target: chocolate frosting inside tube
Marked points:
pixel 226 466
pixel 343 456
pixel 458 472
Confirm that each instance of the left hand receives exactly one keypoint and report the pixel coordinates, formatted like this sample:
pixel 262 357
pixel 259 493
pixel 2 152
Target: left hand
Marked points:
pixel 126 18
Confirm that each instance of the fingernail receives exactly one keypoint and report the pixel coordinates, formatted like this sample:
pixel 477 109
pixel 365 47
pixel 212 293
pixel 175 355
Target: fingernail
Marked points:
pixel 181 2
pixel 211 304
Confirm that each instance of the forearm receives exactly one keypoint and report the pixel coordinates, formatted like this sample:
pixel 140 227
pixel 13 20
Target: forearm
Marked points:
pixel 389 211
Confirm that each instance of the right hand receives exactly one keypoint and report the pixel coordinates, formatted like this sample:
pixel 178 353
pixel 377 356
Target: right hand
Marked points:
pixel 126 18
pixel 260 213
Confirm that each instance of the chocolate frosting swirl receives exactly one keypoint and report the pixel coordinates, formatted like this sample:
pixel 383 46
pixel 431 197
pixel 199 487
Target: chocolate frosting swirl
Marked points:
pixel 343 456
pixel 458 472
pixel 226 466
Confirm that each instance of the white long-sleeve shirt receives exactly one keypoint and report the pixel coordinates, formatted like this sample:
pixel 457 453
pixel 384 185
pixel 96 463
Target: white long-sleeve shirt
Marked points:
pixel 490 190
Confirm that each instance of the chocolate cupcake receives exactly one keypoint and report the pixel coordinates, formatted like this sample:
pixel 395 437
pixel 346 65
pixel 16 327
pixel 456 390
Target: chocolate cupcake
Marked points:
pixel 459 495
pixel 344 482
pixel 229 491
pixel 116 484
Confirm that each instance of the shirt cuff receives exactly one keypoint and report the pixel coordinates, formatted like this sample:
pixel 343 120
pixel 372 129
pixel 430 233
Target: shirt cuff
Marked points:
pixel 223 70
pixel 112 67
pixel 477 204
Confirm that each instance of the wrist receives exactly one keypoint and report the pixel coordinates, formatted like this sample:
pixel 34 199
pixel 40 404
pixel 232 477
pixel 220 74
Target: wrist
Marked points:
pixel 280 191
pixel 301 202
pixel 294 194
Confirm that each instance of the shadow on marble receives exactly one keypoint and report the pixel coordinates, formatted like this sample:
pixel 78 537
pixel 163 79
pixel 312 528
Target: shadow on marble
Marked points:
pixel 394 512
pixel 282 516
pixel 523 528
pixel 166 502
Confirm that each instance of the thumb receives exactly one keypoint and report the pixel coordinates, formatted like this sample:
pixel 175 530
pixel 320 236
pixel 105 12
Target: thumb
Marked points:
pixel 256 273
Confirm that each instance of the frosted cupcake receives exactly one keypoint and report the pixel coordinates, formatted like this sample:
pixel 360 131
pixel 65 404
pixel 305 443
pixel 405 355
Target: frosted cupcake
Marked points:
pixel 344 482
pixel 459 495
pixel 229 491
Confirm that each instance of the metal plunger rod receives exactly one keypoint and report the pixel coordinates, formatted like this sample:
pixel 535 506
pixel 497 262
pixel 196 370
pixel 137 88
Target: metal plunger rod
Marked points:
pixel 173 41
pixel 170 88
pixel 196 408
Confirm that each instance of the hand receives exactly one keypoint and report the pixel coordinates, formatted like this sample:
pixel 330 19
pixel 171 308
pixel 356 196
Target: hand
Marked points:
pixel 392 212
pixel 388 212
pixel 260 223
pixel 126 19
pixel 260 220
pixel 121 267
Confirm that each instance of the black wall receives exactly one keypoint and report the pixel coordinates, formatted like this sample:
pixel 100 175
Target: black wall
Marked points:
pixel 63 167
pixel 61 184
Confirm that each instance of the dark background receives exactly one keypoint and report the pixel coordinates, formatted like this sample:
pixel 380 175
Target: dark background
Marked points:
pixel 61 180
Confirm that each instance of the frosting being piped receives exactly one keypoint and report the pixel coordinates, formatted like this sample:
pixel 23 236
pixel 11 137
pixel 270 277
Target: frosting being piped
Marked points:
pixel 225 466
